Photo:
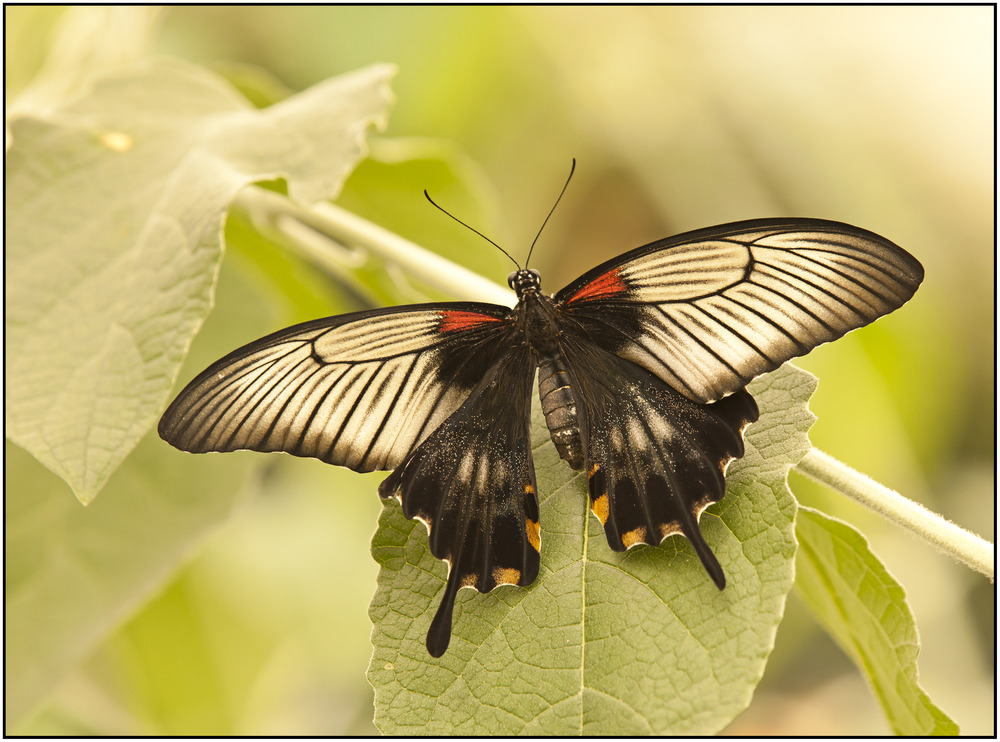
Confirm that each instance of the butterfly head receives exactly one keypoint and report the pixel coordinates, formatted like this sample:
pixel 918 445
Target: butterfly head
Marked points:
pixel 525 281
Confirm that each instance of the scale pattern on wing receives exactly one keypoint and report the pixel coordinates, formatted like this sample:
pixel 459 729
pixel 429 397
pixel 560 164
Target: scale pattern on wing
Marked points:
pixel 472 483
pixel 654 459
pixel 358 390
pixel 708 311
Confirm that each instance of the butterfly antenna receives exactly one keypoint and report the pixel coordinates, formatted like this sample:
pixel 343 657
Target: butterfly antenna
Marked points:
pixel 570 177
pixel 471 228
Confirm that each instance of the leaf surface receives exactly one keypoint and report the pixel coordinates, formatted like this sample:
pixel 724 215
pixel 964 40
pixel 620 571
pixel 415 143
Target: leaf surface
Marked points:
pixel 73 574
pixel 602 643
pixel 865 610
pixel 115 204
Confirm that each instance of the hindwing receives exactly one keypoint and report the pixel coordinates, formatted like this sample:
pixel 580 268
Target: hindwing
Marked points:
pixel 707 311
pixel 359 390
pixel 472 483
pixel 654 459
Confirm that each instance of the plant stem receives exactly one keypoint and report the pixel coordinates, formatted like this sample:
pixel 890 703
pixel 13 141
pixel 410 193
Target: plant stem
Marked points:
pixel 331 228
pixel 944 535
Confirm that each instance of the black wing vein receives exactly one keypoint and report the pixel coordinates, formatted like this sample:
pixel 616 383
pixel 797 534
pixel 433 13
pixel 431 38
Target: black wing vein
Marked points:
pixel 358 390
pixel 708 311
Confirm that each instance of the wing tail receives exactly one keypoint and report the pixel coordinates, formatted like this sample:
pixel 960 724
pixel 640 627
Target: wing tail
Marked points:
pixel 472 483
pixel 654 459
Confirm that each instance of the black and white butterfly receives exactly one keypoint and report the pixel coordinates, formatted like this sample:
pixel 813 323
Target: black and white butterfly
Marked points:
pixel 642 364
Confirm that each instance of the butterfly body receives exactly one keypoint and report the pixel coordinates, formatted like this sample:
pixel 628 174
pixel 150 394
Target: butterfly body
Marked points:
pixel 537 317
pixel 642 364
pixel 558 400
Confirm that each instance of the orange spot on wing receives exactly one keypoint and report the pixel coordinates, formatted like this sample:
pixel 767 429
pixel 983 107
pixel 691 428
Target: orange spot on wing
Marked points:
pixel 506 576
pixel 531 529
pixel 457 321
pixel 605 286
pixel 600 508
pixel 633 537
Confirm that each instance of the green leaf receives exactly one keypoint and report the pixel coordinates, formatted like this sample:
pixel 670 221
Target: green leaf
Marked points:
pixel 73 574
pixel 864 609
pixel 602 643
pixel 87 42
pixel 115 205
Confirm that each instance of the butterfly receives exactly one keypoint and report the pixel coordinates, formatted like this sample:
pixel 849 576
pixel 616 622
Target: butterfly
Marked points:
pixel 642 364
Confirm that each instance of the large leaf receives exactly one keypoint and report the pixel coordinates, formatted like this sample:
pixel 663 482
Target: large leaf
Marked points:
pixel 864 609
pixel 85 43
pixel 115 205
pixel 73 574
pixel 601 643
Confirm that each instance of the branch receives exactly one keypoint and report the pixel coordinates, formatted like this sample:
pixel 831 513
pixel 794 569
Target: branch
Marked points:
pixel 944 535
pixel 338 240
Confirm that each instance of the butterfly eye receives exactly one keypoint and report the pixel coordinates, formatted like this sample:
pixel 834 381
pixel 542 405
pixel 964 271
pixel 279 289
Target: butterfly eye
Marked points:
pixel 511 277
pixel 536 274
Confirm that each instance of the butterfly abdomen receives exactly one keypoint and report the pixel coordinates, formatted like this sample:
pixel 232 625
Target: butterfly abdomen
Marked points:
pixel 559 406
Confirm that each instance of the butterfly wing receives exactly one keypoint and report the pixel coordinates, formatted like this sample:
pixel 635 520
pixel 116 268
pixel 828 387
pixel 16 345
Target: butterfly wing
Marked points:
pixel 707 311
pixel 654 459
pixel 438 392
pixel 472 483
pixel 359 390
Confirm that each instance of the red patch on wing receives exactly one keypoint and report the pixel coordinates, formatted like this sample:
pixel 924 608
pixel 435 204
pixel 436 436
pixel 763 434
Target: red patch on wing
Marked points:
pixel 457 321
pixel 604 286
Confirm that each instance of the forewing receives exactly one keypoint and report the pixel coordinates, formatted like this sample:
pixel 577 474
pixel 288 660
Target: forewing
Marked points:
pixel 654 459
pixel 472 483
pixel 358 390
pixel 708 311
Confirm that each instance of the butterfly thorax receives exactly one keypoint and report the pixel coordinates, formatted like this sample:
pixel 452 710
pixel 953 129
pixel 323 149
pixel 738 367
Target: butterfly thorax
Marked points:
pixel 537 319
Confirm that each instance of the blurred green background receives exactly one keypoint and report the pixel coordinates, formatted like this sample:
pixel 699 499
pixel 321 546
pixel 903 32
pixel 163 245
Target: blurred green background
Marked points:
pixel 679 118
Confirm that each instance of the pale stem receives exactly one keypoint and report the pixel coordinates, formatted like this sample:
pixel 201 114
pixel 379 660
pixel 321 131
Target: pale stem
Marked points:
pixel 337 240
pixel 333 228
pixel 944 535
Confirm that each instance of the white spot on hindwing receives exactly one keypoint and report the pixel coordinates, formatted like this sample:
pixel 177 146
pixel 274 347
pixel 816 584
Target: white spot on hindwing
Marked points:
pixel 483 475
pixel 658 426
pixel 426 523
pixel 617 441
pixel 465 468
pixel 636 434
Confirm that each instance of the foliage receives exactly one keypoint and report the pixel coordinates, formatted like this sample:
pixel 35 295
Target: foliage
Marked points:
pixel 602 643
pixel 865 610
pixel 117 188
pixel 110 284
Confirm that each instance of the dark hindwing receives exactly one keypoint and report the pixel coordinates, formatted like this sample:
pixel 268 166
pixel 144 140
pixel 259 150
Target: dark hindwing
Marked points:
pixel 472 483
pixel 654 459
pixel 707 311
pixel 359 390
